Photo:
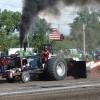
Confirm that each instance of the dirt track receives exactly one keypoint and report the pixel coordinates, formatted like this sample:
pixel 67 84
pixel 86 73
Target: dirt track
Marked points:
pixel 74 94
pixel 84 93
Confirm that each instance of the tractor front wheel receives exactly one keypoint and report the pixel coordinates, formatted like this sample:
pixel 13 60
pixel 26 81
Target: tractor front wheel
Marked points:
pixel 25 76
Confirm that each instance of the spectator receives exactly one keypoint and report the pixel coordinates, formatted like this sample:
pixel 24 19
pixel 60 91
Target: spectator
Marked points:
pixel 60 53
pixel 3 64
pixel 84 58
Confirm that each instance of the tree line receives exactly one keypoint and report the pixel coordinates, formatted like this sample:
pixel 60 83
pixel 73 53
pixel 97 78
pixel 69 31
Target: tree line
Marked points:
pixel 90 17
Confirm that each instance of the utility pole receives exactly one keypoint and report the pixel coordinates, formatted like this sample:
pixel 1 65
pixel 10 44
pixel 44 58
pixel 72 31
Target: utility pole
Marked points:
pixel 84 37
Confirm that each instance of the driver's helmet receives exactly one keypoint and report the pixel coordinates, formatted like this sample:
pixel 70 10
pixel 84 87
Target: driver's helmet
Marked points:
pixel 45 47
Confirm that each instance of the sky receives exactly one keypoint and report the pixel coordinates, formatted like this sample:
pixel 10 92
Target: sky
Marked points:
pixel 67 14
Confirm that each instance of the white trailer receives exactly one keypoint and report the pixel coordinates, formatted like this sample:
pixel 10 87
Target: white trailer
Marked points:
pixel 13 50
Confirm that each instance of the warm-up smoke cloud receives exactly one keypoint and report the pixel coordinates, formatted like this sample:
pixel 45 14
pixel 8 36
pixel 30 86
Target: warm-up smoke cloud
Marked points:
pixel 32 7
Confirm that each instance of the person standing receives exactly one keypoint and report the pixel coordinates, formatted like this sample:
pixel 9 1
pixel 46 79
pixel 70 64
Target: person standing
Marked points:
pixel 3 64
pixel 84 57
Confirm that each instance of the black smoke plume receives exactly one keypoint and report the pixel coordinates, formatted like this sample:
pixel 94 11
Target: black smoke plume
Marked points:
pixel 31 8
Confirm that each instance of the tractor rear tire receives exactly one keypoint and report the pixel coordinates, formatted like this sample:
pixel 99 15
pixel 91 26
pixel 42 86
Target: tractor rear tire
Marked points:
pixel 56 69
pixel 25 76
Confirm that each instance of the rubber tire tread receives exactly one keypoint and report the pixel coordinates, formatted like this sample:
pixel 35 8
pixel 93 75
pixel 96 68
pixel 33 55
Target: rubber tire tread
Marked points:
pixel 51 73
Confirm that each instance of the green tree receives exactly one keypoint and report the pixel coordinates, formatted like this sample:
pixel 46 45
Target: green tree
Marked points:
pixel 38 34
pixel 89 17
pixel 64 44
pixel 9 19
pixel 14 40
pixel 4 41
pixel 8 24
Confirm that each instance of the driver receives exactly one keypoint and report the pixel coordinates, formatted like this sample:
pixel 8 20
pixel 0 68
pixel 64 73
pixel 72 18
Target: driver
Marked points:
pixel 45 54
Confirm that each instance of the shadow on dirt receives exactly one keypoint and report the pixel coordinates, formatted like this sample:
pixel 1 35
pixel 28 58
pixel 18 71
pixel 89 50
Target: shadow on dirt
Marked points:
pixel 4 81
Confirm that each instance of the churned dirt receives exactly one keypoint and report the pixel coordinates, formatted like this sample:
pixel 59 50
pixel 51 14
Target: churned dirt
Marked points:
pixel 85 93
pixel 73 94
